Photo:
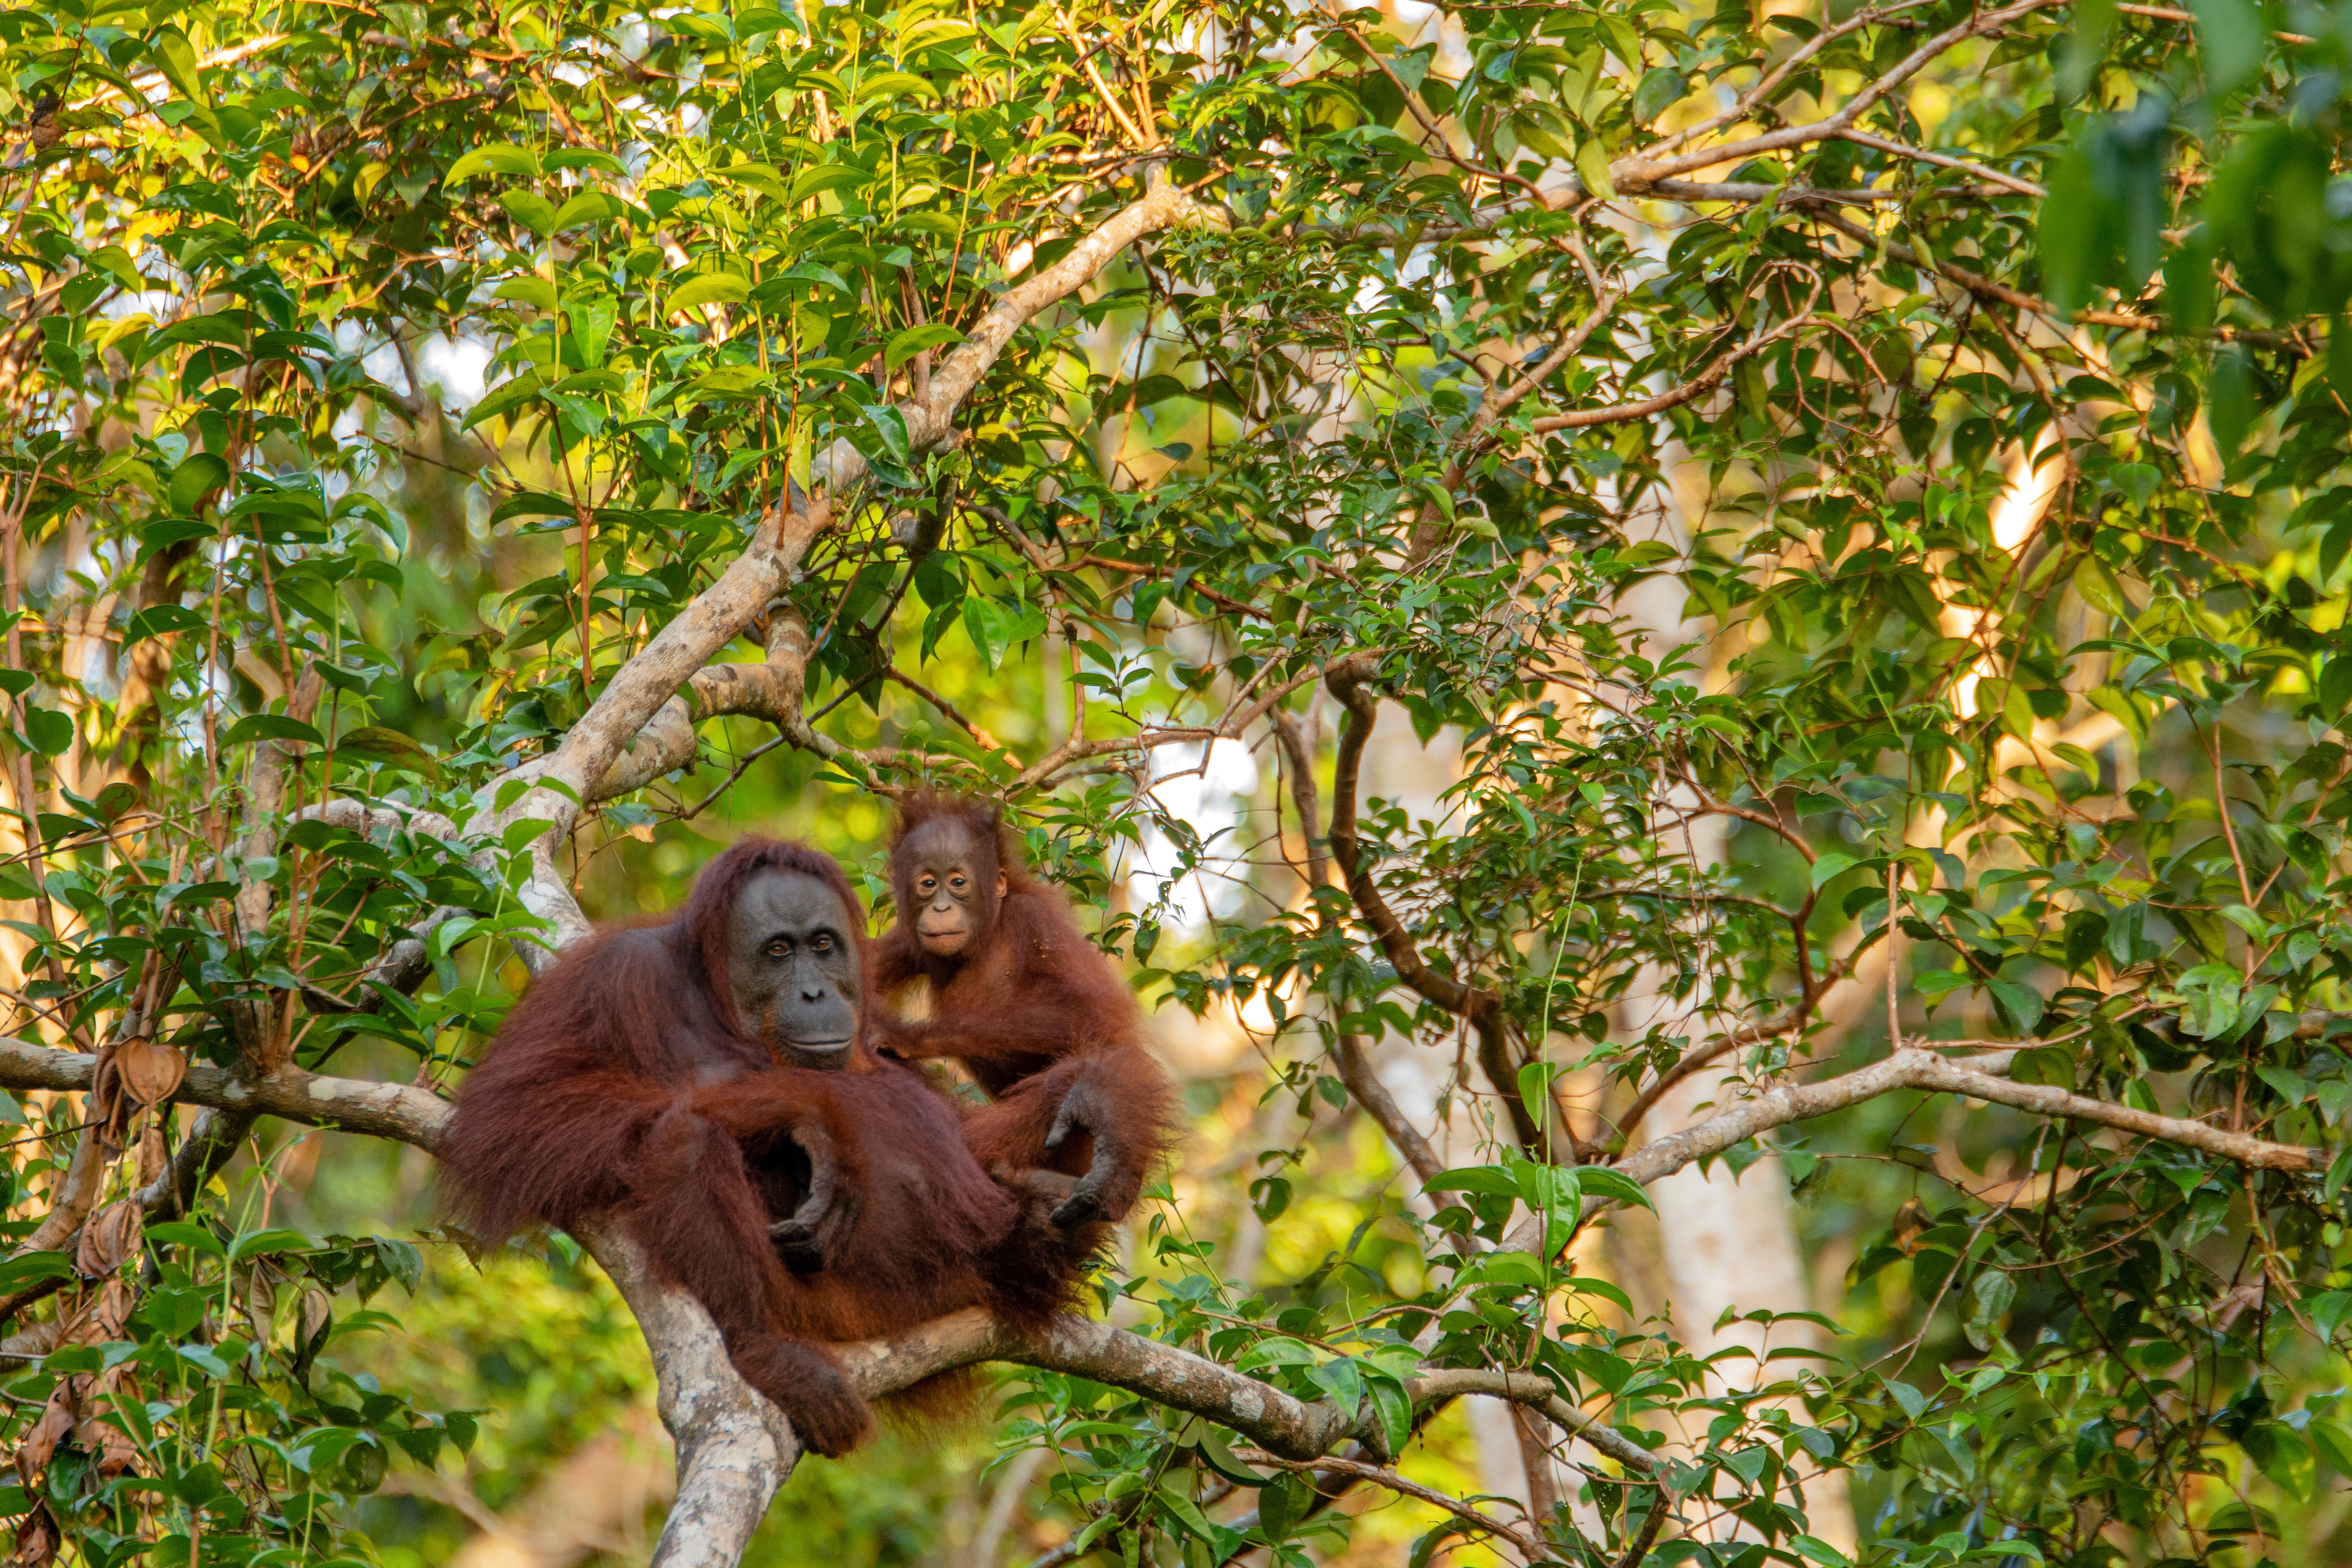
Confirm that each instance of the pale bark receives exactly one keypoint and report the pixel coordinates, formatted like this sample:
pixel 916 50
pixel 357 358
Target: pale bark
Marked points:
pixel 1729 1242
pixel 1731 1247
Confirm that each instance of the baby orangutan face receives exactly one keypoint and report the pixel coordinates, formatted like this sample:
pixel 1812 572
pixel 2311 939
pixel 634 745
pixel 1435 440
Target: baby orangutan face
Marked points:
pixel 792 970
pixel 952 884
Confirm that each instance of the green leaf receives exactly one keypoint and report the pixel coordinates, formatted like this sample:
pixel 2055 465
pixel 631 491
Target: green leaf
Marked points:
pixel 2021 1005
pixel 500 158
pixel 1483 1179
pixel 387 749
pixel 914 339
pixel 2234 41
pixel 1600 1181
pixel 504 397
pixel 1393 1408
pixel 51 732
pixel 733 380
pixel 2335 684
pixel 28 1267
pixel 2073 234
pixel 1535 1088
pixel 896 84
pixel 1592 167
pixel 588 208
pixel 2332 1441
pixel 160 620
pixel 2046 1064
pixel 264 1241
pixel 270 727
pixel 181 1233
pixel 825 177
pixel 530 288
pixel 711 288
pixel 891 426
pixel 985 622
pixel 2231 399
pixel 2097 587
pixel 1274 1351
pixel 2339 1171
pixel 197 477
pixel 175 57
pixel 1343 1380
pixel 532 210
pixel 564 158
pixel 1282 1503
pixel 1185 1512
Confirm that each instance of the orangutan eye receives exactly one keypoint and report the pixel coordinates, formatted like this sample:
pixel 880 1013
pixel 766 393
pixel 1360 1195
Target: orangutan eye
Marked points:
pixel 822 942
pixel 779 948
pixel 957 882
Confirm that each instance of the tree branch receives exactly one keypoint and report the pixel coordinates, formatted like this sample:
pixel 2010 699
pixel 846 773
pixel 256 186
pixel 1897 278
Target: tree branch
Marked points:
pixel 1380 1476
pixel 1347 1050
pixel 1638 174
pixel 1480 1007
pixel 1917 1067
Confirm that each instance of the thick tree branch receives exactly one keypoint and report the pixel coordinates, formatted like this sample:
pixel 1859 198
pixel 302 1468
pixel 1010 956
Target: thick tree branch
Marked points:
pixel 771 690
pixel 395 1110
pixel 640 688
pixel 1695 1060
pixel 603 749
pixel 1914 1067
pixel 1536 1392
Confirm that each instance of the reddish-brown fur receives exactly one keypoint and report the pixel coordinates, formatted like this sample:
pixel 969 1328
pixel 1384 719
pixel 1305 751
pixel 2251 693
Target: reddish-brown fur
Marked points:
pixel 1030 1009
pixel 621 1081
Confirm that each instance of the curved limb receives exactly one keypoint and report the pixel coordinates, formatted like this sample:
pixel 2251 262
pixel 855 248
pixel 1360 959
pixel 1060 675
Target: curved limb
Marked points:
pixel 1103 1118
pixel 704 1227
pixel 812 1237
pixel 1113 1179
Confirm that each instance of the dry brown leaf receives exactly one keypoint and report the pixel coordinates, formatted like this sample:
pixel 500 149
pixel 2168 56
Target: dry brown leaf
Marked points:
pixel 261 1300
pixel 317 1313
pixel 300 1163
pixel 109 1238
pixel 116 1452
pixel 110 1107
pixel 152 1072
pixel 115 1305
pixel 42 1437
pixel 155 1159
pixel 38 1538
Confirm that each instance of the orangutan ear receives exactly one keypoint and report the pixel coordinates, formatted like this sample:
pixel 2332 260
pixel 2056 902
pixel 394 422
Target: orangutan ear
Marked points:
pixel 1000 887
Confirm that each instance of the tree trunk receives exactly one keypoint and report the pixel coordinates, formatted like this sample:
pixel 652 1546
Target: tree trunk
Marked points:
pixel 1730 1246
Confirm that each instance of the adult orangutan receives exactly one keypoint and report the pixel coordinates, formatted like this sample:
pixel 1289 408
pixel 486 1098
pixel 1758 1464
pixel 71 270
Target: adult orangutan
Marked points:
pixel 708 1079
pixel 1024 1003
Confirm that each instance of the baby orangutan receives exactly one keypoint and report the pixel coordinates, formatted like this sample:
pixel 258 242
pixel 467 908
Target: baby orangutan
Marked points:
pixel 1026 1004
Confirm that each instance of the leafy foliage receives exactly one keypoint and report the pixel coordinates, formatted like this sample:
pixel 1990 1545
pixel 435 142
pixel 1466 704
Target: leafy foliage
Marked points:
pixel 1862 491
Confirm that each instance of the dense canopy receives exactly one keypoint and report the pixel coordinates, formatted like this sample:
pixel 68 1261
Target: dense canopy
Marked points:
pixel 1607 595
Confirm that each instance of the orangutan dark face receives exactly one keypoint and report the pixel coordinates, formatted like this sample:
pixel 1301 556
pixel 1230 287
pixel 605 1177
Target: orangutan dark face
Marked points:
pixel 792 970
